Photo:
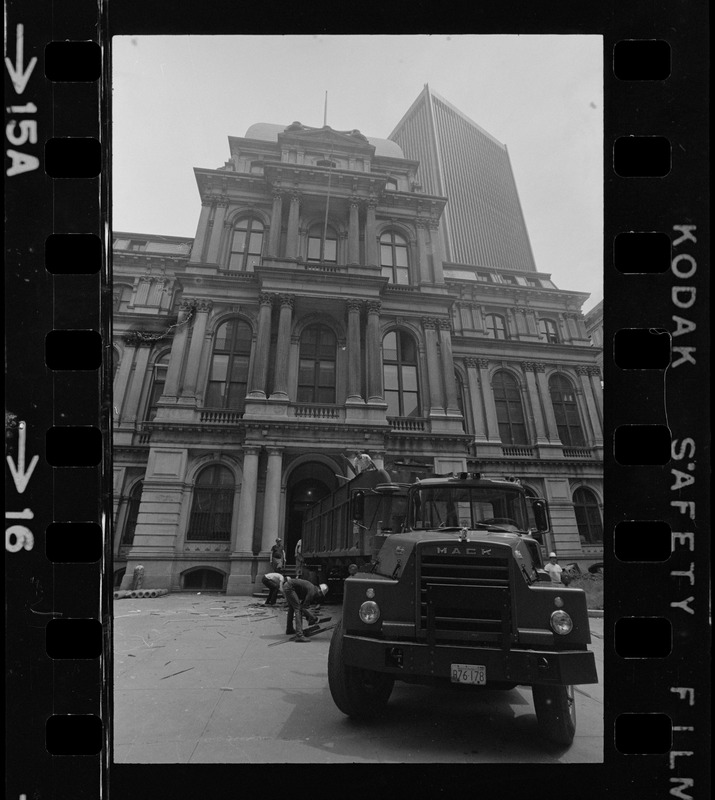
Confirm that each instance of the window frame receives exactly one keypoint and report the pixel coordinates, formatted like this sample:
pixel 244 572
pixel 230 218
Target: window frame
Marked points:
pixel 316 387
pixel 492 330
pixel 508 420
pixel 400 392
pixel 589 521
pixel 246 255
pixel 322 239
pixel 549 330
pixel 232 354
pixel 395 270
pixel 215 495
pixel 565 409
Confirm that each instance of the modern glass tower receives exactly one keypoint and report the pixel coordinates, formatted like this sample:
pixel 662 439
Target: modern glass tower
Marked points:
pixel 483 224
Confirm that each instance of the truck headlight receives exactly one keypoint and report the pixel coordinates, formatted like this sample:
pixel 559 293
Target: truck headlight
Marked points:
pixel 369 612
pixel 561 623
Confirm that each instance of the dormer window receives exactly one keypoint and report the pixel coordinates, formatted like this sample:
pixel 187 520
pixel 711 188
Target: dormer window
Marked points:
pixel 391 184
pixel 325 162
pixel 137 244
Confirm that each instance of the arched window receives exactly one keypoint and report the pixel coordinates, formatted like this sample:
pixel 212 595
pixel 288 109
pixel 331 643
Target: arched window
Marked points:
pixel 322 244
pixel 316 372
pixel 393 258
pixel 568 422
pixel 246 245
pixel 212 505
pixel 130 524
pixel 228 374
pixel 158 379
pixel 495 326
pixel 122 295
pixel 588 516
pixel 549 331
pixel 399 366
pixel 510 412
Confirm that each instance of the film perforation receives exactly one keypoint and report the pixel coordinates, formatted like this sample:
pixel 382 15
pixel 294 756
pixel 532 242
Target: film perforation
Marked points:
pixel 643 637
pixel 642 60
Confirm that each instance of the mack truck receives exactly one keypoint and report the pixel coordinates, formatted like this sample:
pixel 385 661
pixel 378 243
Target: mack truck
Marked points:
pixel 446 585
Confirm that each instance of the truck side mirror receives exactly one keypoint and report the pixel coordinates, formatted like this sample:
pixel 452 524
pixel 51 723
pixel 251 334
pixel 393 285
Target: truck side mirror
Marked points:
pixel 541 515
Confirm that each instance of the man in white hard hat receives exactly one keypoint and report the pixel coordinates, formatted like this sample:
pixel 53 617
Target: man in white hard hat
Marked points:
pixel 554 568
pixel 300 594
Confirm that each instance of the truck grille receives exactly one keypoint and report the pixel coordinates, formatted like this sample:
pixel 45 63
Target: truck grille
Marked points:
pixel 464 597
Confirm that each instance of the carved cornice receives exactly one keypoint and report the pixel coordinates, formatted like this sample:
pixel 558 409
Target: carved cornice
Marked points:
pixel 471 361
pixel 445 325
pixel 429 323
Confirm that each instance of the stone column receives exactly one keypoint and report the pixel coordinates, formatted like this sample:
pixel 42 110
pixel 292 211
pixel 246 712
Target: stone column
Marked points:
pixel 354 355
pixel 489 404
pixel 272 498
pixel 217 231
pixel 121 380
pixel 378 459
pixel 535 402
pixel 259 374
pixel 280 374
pixel 203 307
pixel 374 357
pixel 477 404
pixel 438 252
pixel 450 382
pixel 370 233
pixel 551 430
pixel 422 251
pixel 201 229
pixel 434 380
pixel 133 395
pixel 293 222
pixel 274 236
pixel 354 232
pixel 178 350
pixel 595 377
pixel 593 416
pixel 247 503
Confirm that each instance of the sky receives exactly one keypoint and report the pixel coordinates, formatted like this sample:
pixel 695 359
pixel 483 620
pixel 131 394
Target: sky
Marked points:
pixel 176 99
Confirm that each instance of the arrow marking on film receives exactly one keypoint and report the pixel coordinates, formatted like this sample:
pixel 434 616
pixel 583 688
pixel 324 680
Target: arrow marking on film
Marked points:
pixel 19 75
pixel 19 475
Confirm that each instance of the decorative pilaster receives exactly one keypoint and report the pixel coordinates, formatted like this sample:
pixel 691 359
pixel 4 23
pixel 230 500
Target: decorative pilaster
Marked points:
pixel 594 374
pixel 450 382
pixel 247 503
pixel 200 239
pixel 593 418
pixel 257 385
pixel 370 233
pixel 374 356
pixel 141 359
pixel 477 404
pixel 121 381
pixel 217 230
pixel 429 326
pixel 178 350
pixel 354 355
pixel 354 232
pixel 280 374
pixel 203 307
pixel 488 398
pixel 293 222
pixel 422 250
pixel 274 235
pixel 438 252
pixel 535 402
pixel 272 498
pixel 551 429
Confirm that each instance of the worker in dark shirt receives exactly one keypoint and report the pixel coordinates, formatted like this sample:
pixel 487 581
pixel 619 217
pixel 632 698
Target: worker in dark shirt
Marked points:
pixel 300 594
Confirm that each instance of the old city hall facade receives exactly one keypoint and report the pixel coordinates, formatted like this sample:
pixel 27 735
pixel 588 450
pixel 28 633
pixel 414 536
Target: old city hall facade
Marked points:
pixel 342 294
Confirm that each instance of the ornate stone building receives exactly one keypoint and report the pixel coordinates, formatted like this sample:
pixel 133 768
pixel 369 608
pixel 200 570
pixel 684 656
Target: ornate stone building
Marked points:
pixel 316 313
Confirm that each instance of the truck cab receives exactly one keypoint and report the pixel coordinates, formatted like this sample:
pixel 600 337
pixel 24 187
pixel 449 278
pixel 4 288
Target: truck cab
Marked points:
pixel 459 596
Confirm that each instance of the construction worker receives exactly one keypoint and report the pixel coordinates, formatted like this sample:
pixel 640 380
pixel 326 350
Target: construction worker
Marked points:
pixel 300 594
pixel 273 581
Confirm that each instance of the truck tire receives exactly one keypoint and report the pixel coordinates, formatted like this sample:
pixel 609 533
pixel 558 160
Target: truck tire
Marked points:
pixel 359 693
pixel 556 712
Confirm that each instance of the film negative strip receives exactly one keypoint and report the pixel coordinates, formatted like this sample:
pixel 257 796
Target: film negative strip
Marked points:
pixel 60 541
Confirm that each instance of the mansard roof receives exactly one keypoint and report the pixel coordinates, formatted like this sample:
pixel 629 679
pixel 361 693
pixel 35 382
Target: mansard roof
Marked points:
pixel 267 131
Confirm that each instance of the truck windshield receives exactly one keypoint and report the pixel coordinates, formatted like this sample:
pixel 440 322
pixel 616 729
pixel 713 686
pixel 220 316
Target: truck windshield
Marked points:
pixel 467 506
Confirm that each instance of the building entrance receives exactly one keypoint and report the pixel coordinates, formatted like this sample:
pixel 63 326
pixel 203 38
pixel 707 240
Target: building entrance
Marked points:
pixel 306 485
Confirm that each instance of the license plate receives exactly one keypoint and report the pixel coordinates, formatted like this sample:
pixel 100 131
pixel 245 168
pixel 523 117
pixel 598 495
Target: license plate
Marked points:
pixel 469 673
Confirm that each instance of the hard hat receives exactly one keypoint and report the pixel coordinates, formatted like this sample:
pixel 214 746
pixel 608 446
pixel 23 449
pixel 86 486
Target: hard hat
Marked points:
pixel 323 588
pixel 553 555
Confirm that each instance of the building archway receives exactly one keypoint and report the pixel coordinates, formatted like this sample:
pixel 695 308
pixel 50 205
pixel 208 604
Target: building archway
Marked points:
pixel 307 484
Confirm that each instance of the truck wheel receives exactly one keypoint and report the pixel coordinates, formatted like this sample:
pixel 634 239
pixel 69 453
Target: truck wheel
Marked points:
pixel 556 712
pixel 359 693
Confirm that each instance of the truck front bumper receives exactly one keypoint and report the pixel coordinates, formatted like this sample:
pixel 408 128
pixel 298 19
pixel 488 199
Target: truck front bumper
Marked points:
pixel 416 659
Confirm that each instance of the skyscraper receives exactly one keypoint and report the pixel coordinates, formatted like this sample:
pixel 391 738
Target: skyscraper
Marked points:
pixel 483 224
